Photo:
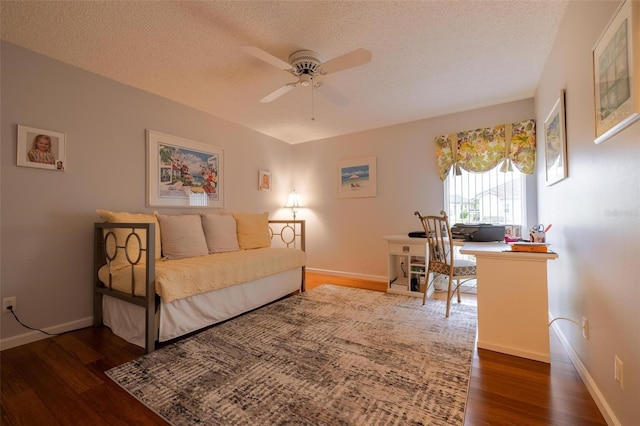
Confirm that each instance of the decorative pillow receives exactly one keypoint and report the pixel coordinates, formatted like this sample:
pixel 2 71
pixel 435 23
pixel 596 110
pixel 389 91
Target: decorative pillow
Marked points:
pixel 220 232
pixel 253 230
pixel 182 236
pixel 121 235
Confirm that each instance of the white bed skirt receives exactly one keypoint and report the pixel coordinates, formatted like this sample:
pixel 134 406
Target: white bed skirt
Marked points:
pixel 183 316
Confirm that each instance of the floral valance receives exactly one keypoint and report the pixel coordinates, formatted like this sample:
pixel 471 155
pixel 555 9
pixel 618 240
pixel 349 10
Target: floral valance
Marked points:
pixel 483 149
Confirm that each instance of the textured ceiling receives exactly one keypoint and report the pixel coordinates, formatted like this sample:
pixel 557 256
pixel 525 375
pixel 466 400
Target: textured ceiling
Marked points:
pixel 429 57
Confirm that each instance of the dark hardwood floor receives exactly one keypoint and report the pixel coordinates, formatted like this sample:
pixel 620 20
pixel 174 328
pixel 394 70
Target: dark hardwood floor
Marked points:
pixel 61 381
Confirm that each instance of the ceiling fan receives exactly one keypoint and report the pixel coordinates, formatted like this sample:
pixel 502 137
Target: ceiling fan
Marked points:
pixel 307 66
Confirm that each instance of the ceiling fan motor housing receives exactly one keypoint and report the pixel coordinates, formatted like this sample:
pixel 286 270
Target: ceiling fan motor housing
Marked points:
pixel 305 62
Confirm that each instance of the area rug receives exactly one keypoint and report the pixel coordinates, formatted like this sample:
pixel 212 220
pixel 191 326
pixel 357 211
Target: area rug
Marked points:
pixel 330 356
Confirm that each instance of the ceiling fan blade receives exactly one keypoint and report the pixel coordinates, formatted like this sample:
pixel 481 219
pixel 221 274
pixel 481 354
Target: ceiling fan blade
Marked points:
pixel 266 57
pixel 348 60
pixel 277 93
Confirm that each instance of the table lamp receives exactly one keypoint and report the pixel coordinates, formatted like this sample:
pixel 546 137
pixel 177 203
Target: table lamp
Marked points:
pixel 293 202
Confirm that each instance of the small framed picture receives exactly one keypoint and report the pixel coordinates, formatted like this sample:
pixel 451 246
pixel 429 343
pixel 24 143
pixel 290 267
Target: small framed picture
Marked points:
pixel 357 178
pixel 264 181
pixel 555 144
pixel 42 149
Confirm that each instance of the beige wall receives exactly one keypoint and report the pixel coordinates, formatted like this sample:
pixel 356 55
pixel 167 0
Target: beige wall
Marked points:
pixel 345 235
pixel 596 219
pixel 47 216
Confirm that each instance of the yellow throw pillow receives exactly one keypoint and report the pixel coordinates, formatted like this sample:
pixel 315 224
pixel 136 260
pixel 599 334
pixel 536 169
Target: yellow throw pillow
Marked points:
pixel 253 230
pixel 121 234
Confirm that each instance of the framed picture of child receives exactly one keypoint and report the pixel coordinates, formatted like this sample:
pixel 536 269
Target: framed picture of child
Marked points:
pixel 42 149
pixel 264 181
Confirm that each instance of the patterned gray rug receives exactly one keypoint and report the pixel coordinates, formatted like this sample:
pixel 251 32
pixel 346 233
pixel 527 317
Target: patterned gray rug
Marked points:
pixel 330 356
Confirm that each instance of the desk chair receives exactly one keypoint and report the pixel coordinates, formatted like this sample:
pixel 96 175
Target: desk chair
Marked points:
pixel 441 259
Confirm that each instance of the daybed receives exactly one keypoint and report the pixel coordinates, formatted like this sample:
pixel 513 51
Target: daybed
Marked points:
pixel 160 277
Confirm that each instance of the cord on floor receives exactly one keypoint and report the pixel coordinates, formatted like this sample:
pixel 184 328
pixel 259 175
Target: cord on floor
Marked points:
pixel 10 308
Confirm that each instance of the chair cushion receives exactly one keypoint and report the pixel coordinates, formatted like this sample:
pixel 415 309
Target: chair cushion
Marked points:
pixel 464 267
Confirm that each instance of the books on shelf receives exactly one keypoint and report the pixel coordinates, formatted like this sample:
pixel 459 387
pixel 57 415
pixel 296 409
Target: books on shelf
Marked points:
pixel 530 247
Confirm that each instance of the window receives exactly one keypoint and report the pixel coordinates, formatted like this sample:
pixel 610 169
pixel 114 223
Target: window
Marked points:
pixel 486 197
pixel 470 164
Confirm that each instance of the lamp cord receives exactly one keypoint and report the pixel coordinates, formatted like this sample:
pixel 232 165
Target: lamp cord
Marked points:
pixel 567 319
pixel 37 329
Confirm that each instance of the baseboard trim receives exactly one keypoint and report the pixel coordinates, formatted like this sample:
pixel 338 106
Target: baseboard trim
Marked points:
pixel 601 402
pixel 34 336
pixel 378 278
pixel 536 356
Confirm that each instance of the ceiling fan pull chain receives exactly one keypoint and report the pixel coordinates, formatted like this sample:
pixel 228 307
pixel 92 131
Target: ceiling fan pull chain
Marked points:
pixel 313 89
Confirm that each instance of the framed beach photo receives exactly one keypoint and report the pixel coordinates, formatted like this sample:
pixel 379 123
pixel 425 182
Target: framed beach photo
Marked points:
pixel 616 63
pixel 555 143
pixel 183 173
pixel 264 181
pixel 357 178
pixel 42 149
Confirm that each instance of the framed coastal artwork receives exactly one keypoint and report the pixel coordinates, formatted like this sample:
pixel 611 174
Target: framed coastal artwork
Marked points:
pixel 555 143
pixel 616 64
pixel 183 173
pixel 357 178
pixel 264 181
pixel 42 149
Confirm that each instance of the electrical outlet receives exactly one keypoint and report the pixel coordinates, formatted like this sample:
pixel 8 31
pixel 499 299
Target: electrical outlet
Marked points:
pixel 9 301
pixel 585 328
pixel 617 371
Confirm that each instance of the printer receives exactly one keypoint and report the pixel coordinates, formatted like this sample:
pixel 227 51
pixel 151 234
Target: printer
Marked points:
pixel 478 232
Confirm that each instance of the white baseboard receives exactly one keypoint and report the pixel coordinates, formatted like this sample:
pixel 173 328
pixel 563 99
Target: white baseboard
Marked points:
pixel 34 336
pixel 601 402
pixel 379 278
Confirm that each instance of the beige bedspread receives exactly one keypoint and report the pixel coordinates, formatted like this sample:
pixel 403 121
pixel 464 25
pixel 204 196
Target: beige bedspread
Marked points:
pixel 176 279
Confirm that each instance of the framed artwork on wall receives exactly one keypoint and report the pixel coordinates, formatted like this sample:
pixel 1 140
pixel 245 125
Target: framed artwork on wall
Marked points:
pixel 555 143
pixel 264 181
pixel 183 173
pixel 616 64
pixel 357 178
pixel 42 149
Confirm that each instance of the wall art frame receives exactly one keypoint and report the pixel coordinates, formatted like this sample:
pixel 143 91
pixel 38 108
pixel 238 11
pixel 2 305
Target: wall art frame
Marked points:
pixel 555 143
pixel 183 173
pixel 357 178
pixel 616 64
pixel 264 181
pixel 32 150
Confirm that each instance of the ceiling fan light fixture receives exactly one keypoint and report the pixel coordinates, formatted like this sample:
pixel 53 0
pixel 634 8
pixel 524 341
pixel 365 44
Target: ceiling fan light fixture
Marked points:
pixel 305 80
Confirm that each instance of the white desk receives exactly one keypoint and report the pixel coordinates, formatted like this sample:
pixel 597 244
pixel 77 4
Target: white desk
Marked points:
pixel 410 253
pixel 513 311
pixel 406 261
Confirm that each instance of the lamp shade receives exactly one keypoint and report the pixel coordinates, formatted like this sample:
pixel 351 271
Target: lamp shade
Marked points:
pixel 293 201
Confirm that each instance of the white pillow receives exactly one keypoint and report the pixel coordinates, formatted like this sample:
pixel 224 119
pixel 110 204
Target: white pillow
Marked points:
pixel 182 236
pixel 220 232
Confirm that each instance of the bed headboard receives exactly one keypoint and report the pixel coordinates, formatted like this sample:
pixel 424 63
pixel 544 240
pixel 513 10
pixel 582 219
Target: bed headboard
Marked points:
pixel 287 233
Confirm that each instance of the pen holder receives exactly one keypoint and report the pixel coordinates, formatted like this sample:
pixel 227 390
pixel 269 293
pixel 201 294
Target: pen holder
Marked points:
pixel 537 237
